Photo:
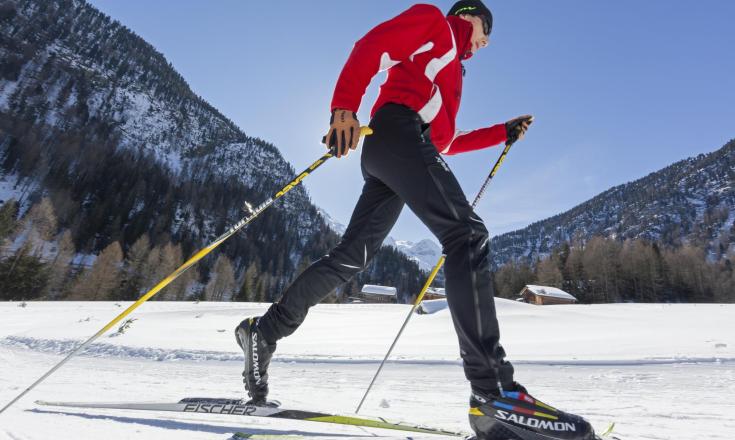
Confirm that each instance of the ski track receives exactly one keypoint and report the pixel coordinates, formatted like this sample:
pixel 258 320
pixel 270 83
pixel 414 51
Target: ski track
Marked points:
pixel 646 401
pixel 632 364
pixel 63 346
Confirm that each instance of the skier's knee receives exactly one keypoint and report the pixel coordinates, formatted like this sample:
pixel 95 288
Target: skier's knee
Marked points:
pixel 346 264
pixel 470 233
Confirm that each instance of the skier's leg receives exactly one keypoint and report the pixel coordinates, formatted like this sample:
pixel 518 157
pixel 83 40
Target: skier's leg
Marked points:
pixel 399 155
pixel 374 215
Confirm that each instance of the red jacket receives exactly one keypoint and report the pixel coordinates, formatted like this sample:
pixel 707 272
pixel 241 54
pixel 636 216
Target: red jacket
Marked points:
pixel 422 50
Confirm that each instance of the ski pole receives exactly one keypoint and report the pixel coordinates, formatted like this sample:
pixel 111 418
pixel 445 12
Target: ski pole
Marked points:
pixel 432 275
pixel 364 131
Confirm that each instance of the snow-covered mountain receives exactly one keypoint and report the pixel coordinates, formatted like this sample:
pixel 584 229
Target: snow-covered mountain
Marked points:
pixel 68 66
pixel 96 119
pixel 426 252
pixel 335 225
pixel 691 201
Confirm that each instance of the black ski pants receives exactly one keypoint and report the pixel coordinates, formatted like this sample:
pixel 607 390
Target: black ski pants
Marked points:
pixel 401 166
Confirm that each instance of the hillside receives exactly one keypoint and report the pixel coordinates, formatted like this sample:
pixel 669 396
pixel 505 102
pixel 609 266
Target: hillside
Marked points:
pixel 689 202
pixel 94 118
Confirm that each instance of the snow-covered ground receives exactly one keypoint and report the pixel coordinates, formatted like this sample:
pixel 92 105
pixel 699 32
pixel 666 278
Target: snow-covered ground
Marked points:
pixel 659 371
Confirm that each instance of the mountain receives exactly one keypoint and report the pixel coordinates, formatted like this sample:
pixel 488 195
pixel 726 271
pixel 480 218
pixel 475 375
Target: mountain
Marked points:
pixel 425 253
pixel 334 225
pixel 97 120
pixel 689 202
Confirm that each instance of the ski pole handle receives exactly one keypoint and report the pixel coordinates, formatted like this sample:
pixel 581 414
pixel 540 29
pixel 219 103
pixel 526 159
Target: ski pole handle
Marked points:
pixel 364 131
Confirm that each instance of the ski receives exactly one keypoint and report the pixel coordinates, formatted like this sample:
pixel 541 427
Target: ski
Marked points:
pixel 236 407
pixel 246 435
pixel 243 435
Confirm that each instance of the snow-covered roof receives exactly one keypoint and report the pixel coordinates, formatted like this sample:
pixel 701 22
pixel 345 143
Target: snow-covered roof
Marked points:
pixel 550 291
pixel 437 291
pixel 379 290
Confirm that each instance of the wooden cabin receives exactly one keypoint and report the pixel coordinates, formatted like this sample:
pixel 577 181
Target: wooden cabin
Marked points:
pixel 544 295
pixel 435 293
pixel 371 293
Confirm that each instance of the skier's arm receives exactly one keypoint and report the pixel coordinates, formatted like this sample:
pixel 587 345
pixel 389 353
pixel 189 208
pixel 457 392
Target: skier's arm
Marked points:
pixel 383 47
pixel 510 132
pixel 476 139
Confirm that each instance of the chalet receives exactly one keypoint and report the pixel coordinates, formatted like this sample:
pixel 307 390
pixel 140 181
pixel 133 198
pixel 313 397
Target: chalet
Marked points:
pixel 435 293
pixel 371 293
pixel 543 295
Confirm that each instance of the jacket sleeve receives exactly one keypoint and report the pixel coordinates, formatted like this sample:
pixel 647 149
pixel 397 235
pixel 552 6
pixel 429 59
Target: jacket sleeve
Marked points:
pixel 476 139
pixel 383 47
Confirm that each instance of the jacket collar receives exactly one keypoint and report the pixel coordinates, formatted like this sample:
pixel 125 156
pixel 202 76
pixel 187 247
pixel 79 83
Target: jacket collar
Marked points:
pixel 462 30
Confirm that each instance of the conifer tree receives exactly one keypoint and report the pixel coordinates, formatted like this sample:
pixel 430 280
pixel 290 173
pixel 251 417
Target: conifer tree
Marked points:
pixel 23 276
pixel 8 222
pixel 247 290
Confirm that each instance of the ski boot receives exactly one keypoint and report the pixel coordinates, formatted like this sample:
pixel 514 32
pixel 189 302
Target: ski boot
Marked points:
pixel 515 415
pixel 258 355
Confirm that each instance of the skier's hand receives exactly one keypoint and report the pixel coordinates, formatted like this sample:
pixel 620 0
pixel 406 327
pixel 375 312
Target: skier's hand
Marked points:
pixel 344 132
pixel 516 128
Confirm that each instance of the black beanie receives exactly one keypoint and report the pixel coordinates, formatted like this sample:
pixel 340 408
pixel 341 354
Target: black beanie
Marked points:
pixel 473 7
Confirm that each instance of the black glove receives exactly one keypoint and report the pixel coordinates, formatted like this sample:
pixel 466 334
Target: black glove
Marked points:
pixel 344 132
pixel 516 128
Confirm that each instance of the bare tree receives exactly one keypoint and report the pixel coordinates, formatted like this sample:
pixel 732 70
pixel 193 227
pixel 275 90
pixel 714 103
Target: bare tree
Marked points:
pixel 221 283
pixel 103 279
pixel 548 273
pixel 41 224
pixel 59 266
pixel 162 262
pixel 135 267
pixel 600 260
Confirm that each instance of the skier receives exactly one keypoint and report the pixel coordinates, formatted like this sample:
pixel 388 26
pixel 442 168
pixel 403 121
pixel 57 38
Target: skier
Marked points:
pixel 414 122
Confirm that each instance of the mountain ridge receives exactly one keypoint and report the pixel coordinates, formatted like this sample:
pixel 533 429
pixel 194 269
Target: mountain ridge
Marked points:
pixel 689 201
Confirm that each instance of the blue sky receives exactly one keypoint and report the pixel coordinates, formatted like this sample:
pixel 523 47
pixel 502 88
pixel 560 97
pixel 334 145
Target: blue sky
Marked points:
pixel 619 89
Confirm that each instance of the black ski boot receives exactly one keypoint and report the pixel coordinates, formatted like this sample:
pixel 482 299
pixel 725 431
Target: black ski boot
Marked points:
pixel 258 355
pixel 515 415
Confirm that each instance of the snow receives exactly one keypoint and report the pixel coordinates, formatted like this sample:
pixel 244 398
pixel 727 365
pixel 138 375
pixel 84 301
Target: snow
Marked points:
pixel 8 187
pixel 379 290
pixel 659 370
pixel 432 306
